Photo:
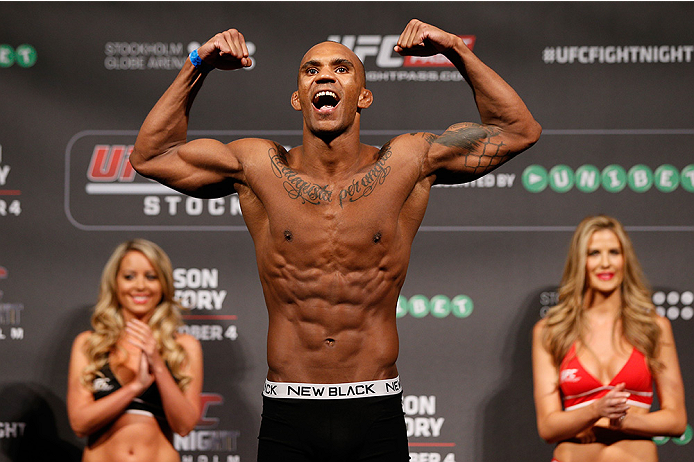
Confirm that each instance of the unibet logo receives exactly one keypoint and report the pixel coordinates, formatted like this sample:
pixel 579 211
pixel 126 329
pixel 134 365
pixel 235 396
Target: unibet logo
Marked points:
pixel 613 178
pixel 440 306
pixel 24 56
pixel 685 438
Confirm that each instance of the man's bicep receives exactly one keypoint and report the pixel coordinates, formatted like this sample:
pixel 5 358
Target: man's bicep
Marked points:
pixel 200 168
pixel 212 157
pixel 467 151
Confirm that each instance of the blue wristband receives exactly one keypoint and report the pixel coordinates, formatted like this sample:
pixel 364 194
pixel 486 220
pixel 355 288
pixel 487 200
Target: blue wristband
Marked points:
pixel 199 64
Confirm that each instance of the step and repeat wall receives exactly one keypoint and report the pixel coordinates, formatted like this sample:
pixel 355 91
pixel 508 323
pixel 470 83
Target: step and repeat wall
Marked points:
pixel 611 84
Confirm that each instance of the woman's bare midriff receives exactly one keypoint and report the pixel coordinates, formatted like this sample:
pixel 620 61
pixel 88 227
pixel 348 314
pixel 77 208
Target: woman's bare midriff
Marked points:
pixel 620 451
pixel 630 448
pixel 132 438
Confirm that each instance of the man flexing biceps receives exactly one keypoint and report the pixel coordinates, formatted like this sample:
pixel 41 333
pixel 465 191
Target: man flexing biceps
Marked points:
pixel 333 221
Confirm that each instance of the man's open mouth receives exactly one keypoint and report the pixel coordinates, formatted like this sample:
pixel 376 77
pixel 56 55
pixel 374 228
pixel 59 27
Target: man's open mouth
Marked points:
pixel 325 100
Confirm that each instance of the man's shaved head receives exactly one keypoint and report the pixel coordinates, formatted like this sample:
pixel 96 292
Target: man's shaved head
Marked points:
pixel 342 55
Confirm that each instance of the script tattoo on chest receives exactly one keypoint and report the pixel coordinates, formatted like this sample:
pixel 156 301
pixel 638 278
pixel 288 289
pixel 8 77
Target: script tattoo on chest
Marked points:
pixel 468 138
pixel 296 187
pixel 366 184
pixel 307 192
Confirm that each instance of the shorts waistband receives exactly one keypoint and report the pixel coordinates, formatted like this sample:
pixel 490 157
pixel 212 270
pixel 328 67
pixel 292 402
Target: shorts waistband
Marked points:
pixel 332 390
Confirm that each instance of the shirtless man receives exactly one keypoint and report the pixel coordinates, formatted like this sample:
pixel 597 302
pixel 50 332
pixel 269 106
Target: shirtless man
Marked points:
pixel 333 222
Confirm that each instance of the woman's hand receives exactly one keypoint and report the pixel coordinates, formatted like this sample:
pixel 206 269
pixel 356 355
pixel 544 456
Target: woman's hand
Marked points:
pixel 144 376
pixel 586 436
pixel 140 335
pixel 613 405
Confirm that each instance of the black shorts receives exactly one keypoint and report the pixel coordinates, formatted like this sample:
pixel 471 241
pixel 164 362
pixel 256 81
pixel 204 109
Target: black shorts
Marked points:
pixel 349 430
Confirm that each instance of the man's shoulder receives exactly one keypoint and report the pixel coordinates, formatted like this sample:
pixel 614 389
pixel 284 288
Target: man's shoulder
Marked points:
pixel 250 150
pixel 418 141
pixel 409 146
pixel 255 145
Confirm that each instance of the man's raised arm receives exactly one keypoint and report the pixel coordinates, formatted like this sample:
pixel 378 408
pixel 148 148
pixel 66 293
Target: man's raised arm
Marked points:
pixel 466 151
pixel 204 167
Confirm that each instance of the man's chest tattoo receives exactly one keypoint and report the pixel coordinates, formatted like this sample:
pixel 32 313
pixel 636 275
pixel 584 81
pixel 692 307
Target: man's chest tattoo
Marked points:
pixel 366 184
pixel 297 188
pixel 307 192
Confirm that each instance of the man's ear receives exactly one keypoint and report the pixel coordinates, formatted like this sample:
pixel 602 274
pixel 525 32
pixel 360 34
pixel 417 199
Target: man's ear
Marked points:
pixel 365 99
pixel 296 104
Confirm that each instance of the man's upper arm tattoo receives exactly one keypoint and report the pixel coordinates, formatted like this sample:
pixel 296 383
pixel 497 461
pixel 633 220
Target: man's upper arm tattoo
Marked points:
pixel 478 144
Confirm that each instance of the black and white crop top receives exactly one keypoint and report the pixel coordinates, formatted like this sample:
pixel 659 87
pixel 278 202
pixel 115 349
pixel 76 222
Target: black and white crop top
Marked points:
pixel 148 403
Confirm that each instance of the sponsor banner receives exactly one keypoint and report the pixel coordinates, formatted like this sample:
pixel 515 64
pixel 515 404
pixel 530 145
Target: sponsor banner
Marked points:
pixel 613 97
pixel 377 51
pixel 611 54
pixel 103 192
pixel 613 178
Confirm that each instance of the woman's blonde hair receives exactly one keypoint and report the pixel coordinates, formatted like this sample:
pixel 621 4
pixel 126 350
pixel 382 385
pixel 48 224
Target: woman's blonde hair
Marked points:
pixel 565 322
pixel 108 323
